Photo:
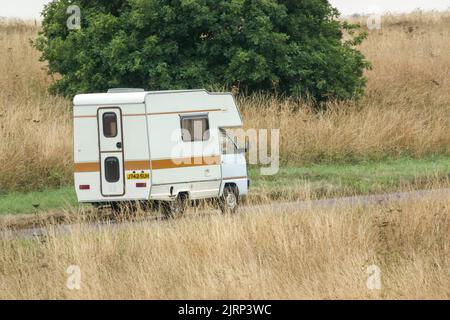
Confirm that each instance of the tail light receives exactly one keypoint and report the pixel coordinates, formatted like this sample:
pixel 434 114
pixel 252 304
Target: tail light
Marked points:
pixel 85 187
pixel 141 185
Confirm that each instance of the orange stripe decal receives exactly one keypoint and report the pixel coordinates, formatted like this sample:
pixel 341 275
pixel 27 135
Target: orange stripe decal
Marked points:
pixel 157 113
pixel 235 178
pixel 157 164
pixel 185 162
pixel 87 167
pixel 137 165
pixel 80 117
pixel 181 112
pixel 135 115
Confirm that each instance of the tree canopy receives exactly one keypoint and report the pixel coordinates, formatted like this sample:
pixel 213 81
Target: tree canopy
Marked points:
pixel 292 47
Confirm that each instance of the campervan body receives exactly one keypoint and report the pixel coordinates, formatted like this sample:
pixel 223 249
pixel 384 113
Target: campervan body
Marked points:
pixel 169 147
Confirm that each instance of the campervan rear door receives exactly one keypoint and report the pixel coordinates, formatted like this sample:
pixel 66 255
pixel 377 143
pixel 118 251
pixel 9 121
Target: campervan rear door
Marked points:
pixel 110 131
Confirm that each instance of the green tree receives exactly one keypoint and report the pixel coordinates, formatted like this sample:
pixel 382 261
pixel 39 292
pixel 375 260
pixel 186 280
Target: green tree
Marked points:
pixel 292 47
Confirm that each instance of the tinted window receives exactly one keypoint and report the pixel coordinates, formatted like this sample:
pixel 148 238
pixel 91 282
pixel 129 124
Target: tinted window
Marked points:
pixel 110 125
pixel 112 169
pixel 195 128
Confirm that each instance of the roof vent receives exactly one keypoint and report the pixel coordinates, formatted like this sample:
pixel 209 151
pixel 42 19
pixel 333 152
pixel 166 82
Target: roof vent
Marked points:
pixel 125 90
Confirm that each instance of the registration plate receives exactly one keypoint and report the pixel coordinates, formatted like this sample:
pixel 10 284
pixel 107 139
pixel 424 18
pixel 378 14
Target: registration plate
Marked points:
pixel 138 176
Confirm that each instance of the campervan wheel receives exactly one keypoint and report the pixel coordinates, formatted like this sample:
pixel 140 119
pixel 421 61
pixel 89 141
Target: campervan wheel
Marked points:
pixel 175 209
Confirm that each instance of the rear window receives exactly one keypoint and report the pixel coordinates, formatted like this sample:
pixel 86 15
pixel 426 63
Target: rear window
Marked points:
pixel 112 169
pixel 110 125
pixel 195 128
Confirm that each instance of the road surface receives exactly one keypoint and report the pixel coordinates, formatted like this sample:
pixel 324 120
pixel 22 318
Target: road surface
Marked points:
pixel 389 198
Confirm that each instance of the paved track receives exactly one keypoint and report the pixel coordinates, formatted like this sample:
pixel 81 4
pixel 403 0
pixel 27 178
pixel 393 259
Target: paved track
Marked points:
pixel 389 198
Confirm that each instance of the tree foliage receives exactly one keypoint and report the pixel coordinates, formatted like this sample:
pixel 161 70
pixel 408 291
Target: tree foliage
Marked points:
pixel 292 47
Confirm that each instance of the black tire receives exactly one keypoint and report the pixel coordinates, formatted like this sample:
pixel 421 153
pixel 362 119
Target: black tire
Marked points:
pixel 175 209
pixel 229 202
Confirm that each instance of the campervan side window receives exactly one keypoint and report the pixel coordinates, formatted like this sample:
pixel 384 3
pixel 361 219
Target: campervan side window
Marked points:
pixel 110 125
pixel 195 128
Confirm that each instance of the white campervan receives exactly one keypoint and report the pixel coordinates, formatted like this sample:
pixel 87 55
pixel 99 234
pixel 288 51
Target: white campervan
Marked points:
pixel 167 147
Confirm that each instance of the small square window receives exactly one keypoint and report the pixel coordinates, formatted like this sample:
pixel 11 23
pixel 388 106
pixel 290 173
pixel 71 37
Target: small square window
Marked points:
pixel 112 169
pixel 195 128
pixel 110 125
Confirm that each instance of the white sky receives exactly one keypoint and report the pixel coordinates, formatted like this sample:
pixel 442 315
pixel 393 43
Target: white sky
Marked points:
pixel 30 9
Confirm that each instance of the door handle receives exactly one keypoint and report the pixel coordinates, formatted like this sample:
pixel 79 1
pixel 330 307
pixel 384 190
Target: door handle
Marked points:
pixel 119 145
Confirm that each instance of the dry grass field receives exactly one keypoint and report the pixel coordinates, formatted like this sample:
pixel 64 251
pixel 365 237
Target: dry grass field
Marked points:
pixel 291 254
pixel 316 253
pixel 405 111
pixel 35 128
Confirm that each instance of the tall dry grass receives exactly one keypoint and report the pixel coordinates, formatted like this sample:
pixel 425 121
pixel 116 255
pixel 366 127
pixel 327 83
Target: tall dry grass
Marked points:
pixel 35 127
pixel 364 130
pixel 405 111
pixel 315 253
